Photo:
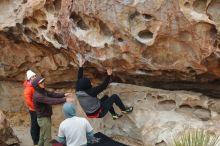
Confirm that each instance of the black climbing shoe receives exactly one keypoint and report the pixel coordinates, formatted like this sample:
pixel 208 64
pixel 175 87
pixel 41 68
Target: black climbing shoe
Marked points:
pixel 117 116
pixel 128 110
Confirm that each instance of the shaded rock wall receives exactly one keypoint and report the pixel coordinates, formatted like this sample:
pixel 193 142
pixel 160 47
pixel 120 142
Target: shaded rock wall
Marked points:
pixel 16 58
pixel 7 137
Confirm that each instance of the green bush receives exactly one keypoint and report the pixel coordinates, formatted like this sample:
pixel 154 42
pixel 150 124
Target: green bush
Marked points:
pixel 196 138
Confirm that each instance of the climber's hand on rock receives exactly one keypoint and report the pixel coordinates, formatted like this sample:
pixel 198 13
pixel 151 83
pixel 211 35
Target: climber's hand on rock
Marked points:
pixel 81 60
pixel 109 71
pixel 68 94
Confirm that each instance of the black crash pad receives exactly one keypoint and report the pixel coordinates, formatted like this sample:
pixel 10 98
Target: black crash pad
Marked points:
pixel 105 141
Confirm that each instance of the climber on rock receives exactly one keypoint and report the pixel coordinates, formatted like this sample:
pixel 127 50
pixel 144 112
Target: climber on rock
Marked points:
pixel 87 96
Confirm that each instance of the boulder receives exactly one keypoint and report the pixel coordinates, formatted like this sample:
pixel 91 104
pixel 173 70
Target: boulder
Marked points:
pixel 159 115
pixel 7 137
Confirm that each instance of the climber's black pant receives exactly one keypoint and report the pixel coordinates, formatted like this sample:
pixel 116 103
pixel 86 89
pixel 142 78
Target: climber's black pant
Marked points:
pixel 107 104
pixel 35 129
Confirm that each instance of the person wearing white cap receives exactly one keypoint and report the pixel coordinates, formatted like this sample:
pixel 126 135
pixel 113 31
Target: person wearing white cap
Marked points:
pixel 28 96
pixel 30 75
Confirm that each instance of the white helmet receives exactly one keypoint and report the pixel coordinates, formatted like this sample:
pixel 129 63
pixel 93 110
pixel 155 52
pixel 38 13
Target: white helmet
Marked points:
pixel 30 74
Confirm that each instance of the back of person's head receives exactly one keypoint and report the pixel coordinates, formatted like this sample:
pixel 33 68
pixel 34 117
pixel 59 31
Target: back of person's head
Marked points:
pixel 30 74
pixel 83 84
pixel 69 110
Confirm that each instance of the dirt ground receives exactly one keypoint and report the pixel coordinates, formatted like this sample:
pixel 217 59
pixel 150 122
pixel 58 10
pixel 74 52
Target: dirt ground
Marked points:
pixel 23 135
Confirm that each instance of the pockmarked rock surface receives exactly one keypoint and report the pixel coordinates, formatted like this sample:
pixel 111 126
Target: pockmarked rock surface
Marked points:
pixel 165 40
pixel 160 115
pixel 7 137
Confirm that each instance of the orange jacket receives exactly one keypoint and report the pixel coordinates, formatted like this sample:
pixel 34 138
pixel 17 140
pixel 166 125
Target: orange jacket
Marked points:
pixel 28 95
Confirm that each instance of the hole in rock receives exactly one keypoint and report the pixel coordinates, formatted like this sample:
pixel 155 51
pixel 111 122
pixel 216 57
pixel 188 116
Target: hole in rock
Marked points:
pixel 202 113
pixel 139 100
pixel 120 40
pixel 167 102
pixel 106 45
pixel 147 16
pixel 57 4
pixel 26 21
pixel 213 31
pixel 200 6
pixel 39 15
pixel 145 34
pixel 198 107
pixel 13 36
pixel 133 15
pixel 44 22
pixel 59 39
pixel 215 43
pixel 162 143
pixel 167 105
pixel 49 7
pixel 43 27
pixel 213 10
pixel 185 106
pixel 104 29
pixel 15 10
pixel 24 1
pixel 28 32
pixel 81 24
pixel 191 70
pixel 58 25
pixel 34 21
pixel 187 4
pixel 37 38
pixel 19 26
pixel 185 109
pixel 160 97
pixel 77 19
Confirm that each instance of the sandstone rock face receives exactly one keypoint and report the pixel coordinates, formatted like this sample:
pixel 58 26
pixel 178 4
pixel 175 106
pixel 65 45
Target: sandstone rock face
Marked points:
pixel 17 58
pixel 178 40
pixel 7 137
pixel 160 115
pixel 11 98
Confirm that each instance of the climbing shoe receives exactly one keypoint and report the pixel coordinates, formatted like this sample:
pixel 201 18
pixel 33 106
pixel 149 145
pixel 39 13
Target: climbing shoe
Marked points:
pixel 117 116
pixel 127 110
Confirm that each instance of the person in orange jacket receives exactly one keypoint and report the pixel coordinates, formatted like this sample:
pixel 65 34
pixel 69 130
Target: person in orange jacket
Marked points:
pixel 28 96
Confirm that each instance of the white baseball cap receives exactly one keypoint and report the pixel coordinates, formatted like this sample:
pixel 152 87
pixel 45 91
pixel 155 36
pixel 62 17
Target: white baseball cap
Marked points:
pixel 30 74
